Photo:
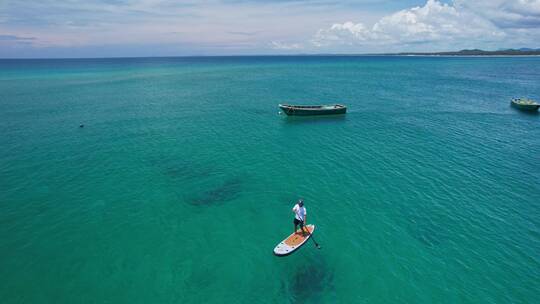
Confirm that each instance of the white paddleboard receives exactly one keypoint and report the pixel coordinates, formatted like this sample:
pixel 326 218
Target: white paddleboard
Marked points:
pixel 293 241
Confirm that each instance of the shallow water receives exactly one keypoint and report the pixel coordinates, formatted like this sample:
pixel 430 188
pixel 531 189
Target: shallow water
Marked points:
pixel 181 181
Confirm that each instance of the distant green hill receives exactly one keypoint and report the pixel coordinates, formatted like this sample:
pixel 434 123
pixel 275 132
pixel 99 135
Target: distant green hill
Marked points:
pixel 477 52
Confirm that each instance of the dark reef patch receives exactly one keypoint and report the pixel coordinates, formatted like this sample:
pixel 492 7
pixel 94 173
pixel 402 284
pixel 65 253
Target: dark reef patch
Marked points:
pixel 309 282
pixel 225 192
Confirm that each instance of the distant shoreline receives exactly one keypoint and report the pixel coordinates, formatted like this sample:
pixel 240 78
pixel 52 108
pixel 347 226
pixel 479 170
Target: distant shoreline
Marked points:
pixel 477 52
pixel 434 55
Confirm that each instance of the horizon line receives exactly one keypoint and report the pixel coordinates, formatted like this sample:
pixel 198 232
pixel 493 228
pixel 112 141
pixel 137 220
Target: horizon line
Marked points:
pixel 404 54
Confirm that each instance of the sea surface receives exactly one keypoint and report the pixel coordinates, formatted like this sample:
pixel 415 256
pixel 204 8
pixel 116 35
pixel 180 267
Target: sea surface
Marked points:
pixel 182 180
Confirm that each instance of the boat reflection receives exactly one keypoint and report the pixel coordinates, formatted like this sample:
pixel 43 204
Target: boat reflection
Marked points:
pixel 313 119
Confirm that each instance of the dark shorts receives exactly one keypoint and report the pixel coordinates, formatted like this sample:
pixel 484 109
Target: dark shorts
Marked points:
pixel 298 222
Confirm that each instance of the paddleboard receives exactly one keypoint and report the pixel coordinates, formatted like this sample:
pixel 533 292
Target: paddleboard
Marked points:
pixel 293 241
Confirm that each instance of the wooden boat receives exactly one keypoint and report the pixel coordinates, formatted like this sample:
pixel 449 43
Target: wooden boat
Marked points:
pixel 313 110
pixel 525 104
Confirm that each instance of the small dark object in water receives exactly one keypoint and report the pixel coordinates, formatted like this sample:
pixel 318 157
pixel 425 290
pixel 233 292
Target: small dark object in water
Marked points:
pixel 313 110
pixel 81 126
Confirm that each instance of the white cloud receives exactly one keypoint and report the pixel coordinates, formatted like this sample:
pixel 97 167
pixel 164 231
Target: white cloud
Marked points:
pixel 504 13
pixel 277 45
pixel 441 26
pixel 346 33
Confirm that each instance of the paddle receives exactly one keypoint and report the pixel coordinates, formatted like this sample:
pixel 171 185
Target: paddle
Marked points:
pixel 311 236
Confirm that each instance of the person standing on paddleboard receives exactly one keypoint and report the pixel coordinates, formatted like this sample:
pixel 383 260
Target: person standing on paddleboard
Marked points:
pixel 300 215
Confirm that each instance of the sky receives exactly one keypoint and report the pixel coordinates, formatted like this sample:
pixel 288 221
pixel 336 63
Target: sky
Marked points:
pixel 130 28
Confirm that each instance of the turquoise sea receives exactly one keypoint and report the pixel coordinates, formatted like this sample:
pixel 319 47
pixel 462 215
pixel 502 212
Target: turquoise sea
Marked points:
pixel 183 178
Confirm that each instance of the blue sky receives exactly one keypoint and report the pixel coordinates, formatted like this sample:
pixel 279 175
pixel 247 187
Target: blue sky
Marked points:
pixel 116 28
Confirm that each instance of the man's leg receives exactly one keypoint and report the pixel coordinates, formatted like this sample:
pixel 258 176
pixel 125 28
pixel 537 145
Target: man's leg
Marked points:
pixel 302 227
pixel 295 222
